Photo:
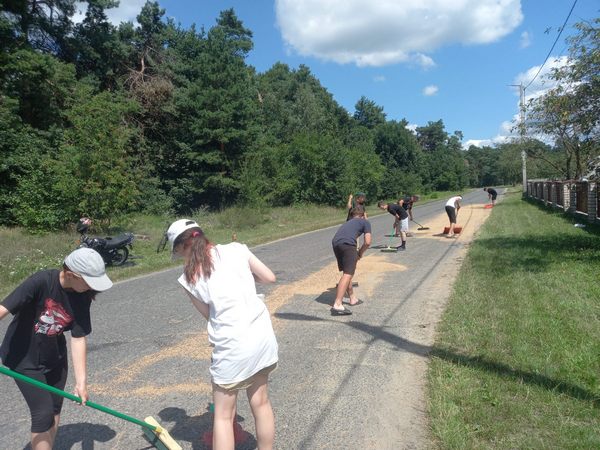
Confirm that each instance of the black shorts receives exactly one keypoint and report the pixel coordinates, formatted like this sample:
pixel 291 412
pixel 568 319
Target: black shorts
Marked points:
pixel 451 213
pixel 494 196
pixel 347 257
pixel 43 405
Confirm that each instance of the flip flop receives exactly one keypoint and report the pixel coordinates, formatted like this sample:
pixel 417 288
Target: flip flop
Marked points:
pixel 359 302
pixel 340 312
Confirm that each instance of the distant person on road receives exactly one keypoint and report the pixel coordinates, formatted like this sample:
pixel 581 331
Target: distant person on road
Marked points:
pixel 44 306
pixel 452 207
pixel 492 194
pixel 220 282
pixel 400 220
pixel 356 201
pixel 344 247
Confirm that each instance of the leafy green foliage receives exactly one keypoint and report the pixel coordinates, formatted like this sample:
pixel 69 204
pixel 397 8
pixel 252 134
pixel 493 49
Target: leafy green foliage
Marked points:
pixel 106 120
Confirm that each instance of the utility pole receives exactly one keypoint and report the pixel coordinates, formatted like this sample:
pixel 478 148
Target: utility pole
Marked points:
pixel 522 132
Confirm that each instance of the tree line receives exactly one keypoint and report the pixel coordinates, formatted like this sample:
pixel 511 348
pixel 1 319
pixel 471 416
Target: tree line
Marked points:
pixel 104 120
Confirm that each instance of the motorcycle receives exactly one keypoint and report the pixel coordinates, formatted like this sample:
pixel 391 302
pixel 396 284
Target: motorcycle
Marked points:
pixel 114 250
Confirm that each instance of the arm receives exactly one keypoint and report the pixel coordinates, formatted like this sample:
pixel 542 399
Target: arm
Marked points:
pixel 79 356
pixel 457 205
pixel 365 246
pixel 349 204
pixel 261 272
pixel 3 312
pixel 199 305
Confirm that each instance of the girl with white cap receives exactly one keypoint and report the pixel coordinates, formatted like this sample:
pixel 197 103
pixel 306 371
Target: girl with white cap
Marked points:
pixel 44 306
pixel 220 282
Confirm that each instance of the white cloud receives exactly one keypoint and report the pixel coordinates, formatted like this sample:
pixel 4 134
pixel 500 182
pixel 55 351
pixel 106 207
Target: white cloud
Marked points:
pixel 423 60
pixel 379 78
pixel 499 139
pixel 127 10
pixel 428 91
pixel 525 40
pixel 508 129
pixel 542 83
pixel 412 127
pixel 377 33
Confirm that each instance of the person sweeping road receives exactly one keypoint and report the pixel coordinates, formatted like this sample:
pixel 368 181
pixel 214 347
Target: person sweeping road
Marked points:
pixel 492 194
pixel 452 207
pixel 344 247
pixel 356 201
pixel 407 203
pixel 400 222
pixel 220 282
pixel 44 306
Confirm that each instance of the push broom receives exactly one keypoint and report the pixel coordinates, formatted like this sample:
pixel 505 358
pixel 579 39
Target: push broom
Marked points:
pixel 157 436
pixel 389 248
pixel 421 227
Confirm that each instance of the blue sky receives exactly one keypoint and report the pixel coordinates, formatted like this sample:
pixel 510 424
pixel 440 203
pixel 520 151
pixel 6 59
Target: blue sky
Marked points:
pixel 422 60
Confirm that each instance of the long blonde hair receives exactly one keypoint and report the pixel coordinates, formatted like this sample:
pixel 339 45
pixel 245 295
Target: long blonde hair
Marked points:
pixel 199 262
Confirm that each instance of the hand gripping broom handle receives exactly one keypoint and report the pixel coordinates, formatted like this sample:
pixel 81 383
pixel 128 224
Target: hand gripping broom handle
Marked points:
pixel 74 398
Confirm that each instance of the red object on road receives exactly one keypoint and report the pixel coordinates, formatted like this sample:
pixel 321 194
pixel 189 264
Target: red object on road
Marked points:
pixel 457 229
pixel 488 206
pixel 240 436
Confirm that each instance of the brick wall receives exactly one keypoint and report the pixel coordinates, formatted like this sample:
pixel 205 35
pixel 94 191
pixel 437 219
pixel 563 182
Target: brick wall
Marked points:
pixel 579 198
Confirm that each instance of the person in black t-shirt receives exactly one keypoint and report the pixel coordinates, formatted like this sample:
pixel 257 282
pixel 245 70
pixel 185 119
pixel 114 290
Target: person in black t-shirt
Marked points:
pixel 344 247
pixel 407 203
pixel 400 222
pixel 492 194
pixel 44 306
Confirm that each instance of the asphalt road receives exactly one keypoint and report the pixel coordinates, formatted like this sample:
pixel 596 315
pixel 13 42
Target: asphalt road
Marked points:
pixel 329 391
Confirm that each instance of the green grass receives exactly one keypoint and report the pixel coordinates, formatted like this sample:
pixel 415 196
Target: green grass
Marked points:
pixel 516 363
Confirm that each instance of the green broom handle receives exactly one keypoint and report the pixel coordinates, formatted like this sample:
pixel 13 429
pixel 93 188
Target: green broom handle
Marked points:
pixel 74 398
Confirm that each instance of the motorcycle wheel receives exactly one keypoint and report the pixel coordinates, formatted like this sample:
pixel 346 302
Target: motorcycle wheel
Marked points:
pixel 119 256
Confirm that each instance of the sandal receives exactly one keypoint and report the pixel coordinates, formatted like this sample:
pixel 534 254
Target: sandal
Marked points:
pixel 340 312
pixel 358 302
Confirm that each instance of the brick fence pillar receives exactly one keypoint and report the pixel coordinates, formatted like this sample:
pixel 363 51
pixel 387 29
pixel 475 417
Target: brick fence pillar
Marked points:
pixel 572 197
pixel 553 194
pixel 592 202
pixel 566 187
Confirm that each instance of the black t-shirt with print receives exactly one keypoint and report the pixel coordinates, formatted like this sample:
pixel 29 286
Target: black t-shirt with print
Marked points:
pixel 397 209
pixel 42 311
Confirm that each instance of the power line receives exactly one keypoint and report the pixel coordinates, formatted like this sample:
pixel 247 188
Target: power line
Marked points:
pixel 555 41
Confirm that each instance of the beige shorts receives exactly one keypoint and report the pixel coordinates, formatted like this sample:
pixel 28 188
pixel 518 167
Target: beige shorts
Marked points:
pixel 245 384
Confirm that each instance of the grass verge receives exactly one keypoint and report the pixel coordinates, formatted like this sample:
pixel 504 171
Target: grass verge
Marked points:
pixel 516 363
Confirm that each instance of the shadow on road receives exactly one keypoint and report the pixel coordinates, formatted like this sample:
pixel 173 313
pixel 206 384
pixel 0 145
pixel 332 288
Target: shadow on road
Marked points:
pixel 197 430
pixel 86 433
pixel 475 362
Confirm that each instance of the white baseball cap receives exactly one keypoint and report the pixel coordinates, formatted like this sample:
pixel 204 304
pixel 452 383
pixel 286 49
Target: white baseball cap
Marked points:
pixel 89 264
pixel 178 227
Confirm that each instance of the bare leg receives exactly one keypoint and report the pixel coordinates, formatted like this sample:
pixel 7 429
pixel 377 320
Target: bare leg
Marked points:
pixel 45 440
pixel 258 396
pixel 344 285
pixel 351 295
pixel 225 408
